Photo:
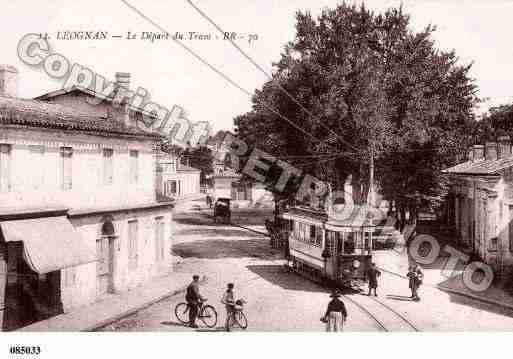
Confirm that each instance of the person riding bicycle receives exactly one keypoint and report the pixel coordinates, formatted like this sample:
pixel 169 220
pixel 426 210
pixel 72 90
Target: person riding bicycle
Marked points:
pixel 194 300
pixel 229 301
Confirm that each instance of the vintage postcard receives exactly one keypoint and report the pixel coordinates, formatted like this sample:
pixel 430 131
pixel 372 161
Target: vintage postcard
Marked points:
pixel 255 166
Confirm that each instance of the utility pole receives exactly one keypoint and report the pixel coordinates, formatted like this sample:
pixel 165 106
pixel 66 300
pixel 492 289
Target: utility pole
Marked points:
pixel 370 197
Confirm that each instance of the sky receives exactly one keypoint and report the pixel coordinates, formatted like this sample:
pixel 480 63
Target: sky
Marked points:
pixel 479 31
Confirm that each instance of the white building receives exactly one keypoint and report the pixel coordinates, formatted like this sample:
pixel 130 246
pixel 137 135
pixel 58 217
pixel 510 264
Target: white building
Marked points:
pixel 78 216
pixel 176 179
pixel 480 204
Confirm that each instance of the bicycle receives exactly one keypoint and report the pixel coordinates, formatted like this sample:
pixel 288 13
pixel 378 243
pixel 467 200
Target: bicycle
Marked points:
pixel 206 313
pixel 237 315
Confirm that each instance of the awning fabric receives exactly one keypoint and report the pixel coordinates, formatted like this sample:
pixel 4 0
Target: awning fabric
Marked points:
pixel 49 243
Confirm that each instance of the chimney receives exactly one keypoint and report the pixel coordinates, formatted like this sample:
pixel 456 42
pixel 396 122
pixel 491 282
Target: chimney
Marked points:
pixel 491 151
pixel 504 147
pixel 8 81
pixel 478 152
pixel 122 88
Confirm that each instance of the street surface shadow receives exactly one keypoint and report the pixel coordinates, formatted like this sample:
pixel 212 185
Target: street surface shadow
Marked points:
pixel 174 324
pixel 399 297
pixel 492 308
pixel 280 276
pixel 211 330
pixel 214 248
pixel 217 232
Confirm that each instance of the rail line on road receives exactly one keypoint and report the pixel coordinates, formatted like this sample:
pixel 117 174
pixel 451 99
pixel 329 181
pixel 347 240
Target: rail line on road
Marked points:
pixel 382 324
pixel 404 318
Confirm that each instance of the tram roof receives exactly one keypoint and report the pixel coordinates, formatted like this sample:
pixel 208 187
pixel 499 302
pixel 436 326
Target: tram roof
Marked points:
pixel 342 216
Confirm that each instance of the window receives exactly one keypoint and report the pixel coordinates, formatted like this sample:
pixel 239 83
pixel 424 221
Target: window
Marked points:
pixel 134 166
pixel 67 167
pixel 5 168
pixel 308 233
pixel 37 165
pixel 132 244
pixel 108 166
pixel 159 238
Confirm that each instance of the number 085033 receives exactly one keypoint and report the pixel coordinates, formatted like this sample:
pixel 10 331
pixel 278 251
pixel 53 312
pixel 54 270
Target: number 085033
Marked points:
pixel 24 350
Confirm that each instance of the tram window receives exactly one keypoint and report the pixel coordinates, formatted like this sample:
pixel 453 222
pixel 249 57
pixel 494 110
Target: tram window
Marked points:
pixel 349 245
pixel 331 243
pixel 312 233
pixel 318 237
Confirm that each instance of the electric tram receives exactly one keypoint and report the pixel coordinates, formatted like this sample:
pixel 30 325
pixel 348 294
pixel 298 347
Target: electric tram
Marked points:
pixel 334 247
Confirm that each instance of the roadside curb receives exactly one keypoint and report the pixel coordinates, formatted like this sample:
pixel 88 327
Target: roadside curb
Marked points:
pixel 460 292
pixel 475 297
pixel 137 308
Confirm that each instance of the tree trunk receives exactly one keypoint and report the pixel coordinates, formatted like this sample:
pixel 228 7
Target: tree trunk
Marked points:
pixel 402 221
pixel 276 209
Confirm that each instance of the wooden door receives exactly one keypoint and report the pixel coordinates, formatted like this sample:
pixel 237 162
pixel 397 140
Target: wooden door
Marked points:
pixel 105 251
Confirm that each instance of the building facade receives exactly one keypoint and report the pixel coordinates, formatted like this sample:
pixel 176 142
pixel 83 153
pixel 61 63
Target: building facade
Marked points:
pixel 480 204
pixel 78 212
pixel 175 179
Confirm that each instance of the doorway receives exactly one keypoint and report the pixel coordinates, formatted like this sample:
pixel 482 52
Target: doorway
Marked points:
pixel 105 251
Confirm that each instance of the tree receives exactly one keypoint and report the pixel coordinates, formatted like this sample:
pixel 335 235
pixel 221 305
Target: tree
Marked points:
pixel 365 83
pixel 200 158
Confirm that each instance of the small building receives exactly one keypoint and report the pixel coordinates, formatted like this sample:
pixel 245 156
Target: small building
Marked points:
pixel 229 184
pixel 79 217
pixel 177 179
pixel 479 205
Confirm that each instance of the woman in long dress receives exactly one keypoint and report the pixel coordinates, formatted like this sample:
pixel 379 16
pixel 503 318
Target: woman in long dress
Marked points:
pixel 336 314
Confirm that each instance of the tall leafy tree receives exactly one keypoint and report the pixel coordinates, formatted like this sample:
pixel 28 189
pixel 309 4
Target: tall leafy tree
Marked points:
pixel 366 84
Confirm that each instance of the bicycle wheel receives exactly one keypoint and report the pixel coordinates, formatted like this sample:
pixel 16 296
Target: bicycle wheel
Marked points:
pixel 209 316
pixel 241 320
pixel 182 312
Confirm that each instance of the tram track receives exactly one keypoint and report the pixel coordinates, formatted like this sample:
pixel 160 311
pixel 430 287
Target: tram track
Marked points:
pixel 367 312
pixel 384 323
pixel 398 314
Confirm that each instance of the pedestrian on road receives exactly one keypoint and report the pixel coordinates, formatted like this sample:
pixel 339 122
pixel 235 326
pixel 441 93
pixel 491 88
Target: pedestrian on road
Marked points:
pixel 194 300
pixel 415 277
pixel 372 275
pixel 229 301
pixel 336 314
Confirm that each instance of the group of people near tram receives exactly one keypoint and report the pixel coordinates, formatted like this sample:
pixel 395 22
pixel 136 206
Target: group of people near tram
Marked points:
pixel 336 312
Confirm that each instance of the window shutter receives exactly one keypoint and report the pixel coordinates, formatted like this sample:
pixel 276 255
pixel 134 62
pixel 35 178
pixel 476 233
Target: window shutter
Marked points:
pixel 37 165
pixel 108 166
pixel 67 167
pixel 132 244
pixel 5 168
pixel 134 166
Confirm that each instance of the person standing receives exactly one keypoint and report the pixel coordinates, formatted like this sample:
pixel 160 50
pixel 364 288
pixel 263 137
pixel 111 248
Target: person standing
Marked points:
pixel 372 275
pixel 229 301
pixel 415 277
pixel 336 314
pixel 194 300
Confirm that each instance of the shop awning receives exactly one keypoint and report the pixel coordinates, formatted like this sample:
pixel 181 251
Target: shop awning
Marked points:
pixel 49 243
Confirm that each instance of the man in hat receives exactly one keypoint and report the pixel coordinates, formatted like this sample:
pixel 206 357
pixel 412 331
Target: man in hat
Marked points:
pixel 336 313
pixel 229 301
pixel 415 277
pixel 372 275
pixel 194 300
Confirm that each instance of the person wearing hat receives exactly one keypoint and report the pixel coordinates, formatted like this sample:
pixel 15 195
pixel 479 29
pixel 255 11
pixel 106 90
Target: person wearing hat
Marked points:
pixel 336 313
pixel 415 277
pixel 372 275
pixel 229 301
pixel 194 300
